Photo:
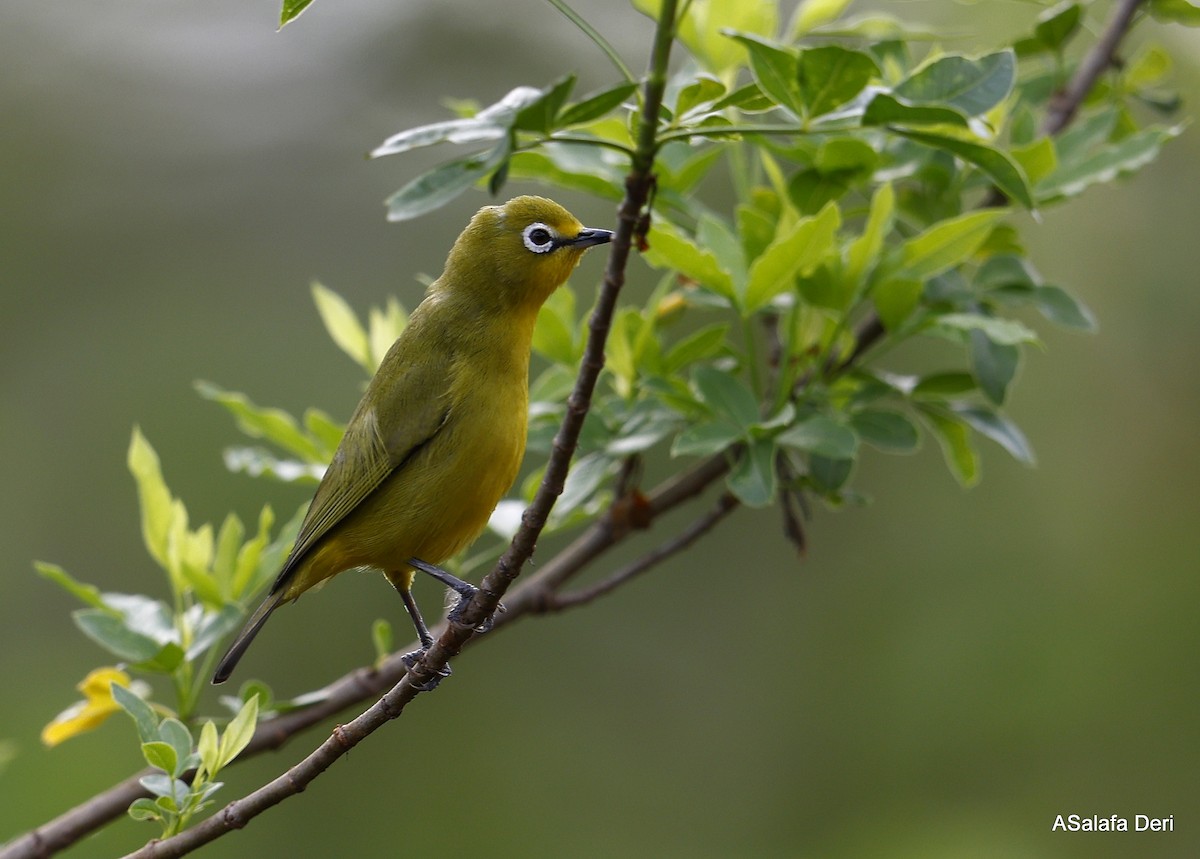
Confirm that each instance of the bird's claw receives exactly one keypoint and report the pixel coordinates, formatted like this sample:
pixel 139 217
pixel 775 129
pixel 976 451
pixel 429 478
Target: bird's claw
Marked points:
pixel 455 614
pixel 411 659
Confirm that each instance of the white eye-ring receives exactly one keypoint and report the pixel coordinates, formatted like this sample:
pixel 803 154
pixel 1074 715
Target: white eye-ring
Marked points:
pixel 539 238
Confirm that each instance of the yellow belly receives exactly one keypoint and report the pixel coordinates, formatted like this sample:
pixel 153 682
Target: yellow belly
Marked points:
pixel 438 502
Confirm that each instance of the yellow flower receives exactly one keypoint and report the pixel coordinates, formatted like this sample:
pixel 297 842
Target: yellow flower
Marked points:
pixel 98 705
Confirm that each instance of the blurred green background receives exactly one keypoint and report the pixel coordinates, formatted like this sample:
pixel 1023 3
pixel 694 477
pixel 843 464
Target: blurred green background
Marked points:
pixel 944 673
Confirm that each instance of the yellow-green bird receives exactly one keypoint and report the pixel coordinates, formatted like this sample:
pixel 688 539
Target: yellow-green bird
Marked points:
pixel 440 433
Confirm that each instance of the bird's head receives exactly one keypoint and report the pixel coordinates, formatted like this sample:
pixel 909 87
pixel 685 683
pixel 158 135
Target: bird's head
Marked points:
pixel 521 251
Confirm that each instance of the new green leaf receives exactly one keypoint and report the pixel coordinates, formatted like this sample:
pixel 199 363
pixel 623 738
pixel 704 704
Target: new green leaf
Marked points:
pixel 948 243
pixel 795 253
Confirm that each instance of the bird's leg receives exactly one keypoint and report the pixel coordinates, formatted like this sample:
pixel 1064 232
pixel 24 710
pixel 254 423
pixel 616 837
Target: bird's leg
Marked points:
pixel 465 590
pixel 410 659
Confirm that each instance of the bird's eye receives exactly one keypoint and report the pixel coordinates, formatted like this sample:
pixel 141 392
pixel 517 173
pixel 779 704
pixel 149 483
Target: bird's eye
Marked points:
pixel 538 238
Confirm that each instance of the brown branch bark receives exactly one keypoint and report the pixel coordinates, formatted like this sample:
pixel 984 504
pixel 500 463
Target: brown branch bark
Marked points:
pixel 1065 103
pixel 555 601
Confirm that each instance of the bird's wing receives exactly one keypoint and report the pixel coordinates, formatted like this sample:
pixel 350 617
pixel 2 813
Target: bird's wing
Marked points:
pixel 402 410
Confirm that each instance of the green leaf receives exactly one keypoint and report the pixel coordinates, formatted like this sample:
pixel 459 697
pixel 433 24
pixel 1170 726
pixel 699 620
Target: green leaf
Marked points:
pixel 706 438
pixel 1005 331
pixel 442 184
pixel 213 627
pixel 1059 306
pixel 955 441
pixel 179 738
pixel 229 542
pixel 998 166
pixel 995 365
pixel 829 76
pixel 829 475
pixel 591 169
pixel 895 299
pixel 1146 68
pixel 670 249
pixel 161 755
pixel 259 462
pixel 864 251
pixel 1105 164
pixel 775 70
pixel 1057 25
pixel 238 732
pixel 383 328
pixel 999 429
pixel 144 808
pixel 726 395
pixel 274 425
pixel 325 431
pixel 583 481
pixel 1176 11
pixel 141 712
pixel 686 175
pixel 554 333
pixel 1038 160
pixel 289 12
pixel 539 115
pixel 343 325
pixel 622 357
pixel 752 479
pixel 815 13
pixel 172 793
pixel 821 435
pixel 208 747
pixel 947 243
pixel 702 90
pixel 382 639
pixel 491 123
pixel 714 235
pixel 644 427
pixel 886 109
pixel 115 636
pixel 972 86
pixel 846 154
pixel 794 253
pixel 885 429
pixel 153 496
pixel 704 31
pixel 939 386
pixel 596 105
pixel 747 99
pixel 85 593
pixel 700 344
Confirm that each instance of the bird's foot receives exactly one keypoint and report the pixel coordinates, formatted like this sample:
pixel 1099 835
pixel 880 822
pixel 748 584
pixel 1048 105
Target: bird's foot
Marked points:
pixel 455 614
pixel 411 659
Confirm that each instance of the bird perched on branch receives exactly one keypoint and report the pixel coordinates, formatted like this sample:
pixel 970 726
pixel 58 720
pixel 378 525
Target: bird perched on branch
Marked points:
pixel 440 432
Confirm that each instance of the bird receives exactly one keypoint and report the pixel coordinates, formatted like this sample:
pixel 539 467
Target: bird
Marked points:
pixel 439 434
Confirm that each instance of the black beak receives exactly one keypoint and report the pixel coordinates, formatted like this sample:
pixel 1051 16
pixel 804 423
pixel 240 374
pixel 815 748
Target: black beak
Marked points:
pixel 588 237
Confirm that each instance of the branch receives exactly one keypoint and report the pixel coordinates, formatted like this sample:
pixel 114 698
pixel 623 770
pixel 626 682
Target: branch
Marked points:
pixel 701 526
pixel 1065 104
pixel 365 683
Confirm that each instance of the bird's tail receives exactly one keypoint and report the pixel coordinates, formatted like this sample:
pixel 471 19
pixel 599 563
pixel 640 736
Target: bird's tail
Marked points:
pixel 232 656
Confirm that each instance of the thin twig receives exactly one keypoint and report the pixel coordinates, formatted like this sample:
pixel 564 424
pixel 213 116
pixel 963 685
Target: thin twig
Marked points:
pixel 1065 104
pixel 701 526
